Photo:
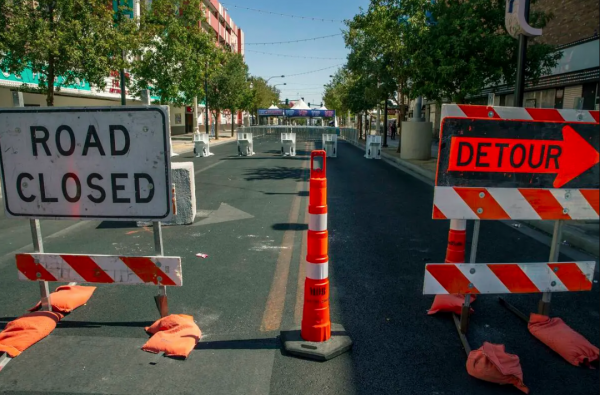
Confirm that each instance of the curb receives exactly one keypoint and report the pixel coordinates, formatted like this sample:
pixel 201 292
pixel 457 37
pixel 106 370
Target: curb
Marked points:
pixel 570 234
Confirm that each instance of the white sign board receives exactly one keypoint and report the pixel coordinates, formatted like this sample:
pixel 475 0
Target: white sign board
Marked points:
pixel 110 163
pixel 514 19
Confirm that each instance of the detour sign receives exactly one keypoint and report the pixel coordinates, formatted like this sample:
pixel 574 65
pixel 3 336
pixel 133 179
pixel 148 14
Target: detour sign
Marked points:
pixel 86 163
pixel 518 154
pixel 506 163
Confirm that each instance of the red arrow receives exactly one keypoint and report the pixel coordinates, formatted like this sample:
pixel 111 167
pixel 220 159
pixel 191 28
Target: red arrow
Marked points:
pixel 567 159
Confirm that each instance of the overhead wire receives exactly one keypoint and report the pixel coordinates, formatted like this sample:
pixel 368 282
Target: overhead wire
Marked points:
pixel 313 71
pixel 293 56
pixel 295 41
pixel 309 18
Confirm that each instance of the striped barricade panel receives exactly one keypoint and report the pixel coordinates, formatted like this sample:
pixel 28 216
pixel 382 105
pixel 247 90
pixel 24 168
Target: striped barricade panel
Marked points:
pixel 102 269
pixel 506 278
pixel 519 113
pixel 515 204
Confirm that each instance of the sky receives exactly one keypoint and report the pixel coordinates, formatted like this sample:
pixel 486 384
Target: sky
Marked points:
pixel 262 27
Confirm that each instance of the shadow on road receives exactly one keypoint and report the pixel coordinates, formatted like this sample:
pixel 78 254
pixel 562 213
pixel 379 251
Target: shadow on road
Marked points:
pixel 295 227
pixel 117 225
pixel 274 173
pixel 247 344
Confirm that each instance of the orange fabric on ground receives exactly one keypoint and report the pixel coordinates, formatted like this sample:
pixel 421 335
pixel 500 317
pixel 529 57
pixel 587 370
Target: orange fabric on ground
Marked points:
pixel 557 335
pixel 67 298
pixel 491 363
pixel 449 304
pixel 176 335
pixel 27 330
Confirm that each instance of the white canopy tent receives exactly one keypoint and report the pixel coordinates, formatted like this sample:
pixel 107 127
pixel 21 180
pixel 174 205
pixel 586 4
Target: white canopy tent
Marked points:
pixel 300 105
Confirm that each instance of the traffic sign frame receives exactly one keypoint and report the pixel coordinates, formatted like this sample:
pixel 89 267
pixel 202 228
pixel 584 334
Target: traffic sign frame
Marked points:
pixel 75 143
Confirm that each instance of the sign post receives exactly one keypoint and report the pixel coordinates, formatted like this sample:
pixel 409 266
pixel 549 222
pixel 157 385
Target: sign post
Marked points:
pixel 100 163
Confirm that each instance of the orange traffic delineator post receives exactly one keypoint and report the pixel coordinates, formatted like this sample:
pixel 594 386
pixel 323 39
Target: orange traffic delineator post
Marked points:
pixel 457 238
pixel 313 339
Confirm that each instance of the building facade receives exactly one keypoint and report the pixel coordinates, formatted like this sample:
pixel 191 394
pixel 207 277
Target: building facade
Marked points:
pixel 218 22
pixel 573 83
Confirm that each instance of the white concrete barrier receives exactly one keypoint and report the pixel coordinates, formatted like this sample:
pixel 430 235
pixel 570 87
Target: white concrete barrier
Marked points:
pixel 373 147
pixel 182 176
pixel 288 144
pixel 330 145
pixel 244 144
pixel 202 145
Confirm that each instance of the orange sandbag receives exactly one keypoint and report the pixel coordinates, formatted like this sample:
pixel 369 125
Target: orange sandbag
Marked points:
pixel 67 298
pixel 176 335
pixel 449 304
pixel 27 330
pixel 557 335
pixel 491 363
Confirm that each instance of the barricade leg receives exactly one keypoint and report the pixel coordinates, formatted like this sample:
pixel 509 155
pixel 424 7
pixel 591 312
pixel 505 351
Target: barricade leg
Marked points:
pixel 314 339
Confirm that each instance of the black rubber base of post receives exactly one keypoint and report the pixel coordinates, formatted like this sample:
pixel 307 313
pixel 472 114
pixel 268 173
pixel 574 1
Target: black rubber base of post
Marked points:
pixel 338 344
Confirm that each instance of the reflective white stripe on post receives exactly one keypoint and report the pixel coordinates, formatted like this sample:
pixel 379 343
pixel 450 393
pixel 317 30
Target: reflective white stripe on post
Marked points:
pixel 317 222
pixel 458 224
pixel 317 271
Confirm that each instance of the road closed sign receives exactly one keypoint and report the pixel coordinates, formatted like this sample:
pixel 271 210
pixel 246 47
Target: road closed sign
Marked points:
pixel 86 163
pixel 517 163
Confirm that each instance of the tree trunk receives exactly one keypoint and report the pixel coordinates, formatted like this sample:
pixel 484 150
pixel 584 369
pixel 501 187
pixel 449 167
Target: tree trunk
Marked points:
pixel 400 115
pixel 50 82
pixel 233 116
pixel 217 122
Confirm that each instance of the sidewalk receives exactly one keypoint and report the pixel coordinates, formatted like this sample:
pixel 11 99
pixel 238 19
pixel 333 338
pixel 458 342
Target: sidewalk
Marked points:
pixel 184 143
pixel 580 234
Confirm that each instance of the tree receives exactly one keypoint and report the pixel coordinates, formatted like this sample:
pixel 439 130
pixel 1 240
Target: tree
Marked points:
pixel 228 87
pixel 171 61
pixel 466 48
pixel 63 41
pixel 262 95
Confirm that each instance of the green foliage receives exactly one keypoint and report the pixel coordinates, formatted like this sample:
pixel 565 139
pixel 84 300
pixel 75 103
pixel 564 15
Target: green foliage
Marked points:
pixel 175 52
pixel 262 94
pixel 467 49
pixel 74 39
pixel 442 50
pixel 228 86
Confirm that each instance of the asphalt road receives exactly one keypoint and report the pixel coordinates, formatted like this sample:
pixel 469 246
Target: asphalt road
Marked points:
pixel 251 223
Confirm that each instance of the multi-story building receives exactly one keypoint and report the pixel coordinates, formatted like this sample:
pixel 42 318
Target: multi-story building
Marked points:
pixel 218 22
pixel 573 83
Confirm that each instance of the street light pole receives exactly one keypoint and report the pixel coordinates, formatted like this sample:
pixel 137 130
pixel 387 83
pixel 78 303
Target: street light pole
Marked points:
pixel 521 61
pixel 275 76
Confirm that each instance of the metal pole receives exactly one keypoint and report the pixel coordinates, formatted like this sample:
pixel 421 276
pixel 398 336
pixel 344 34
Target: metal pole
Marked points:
pixel 160 299
pixel 38 246
pixel 521 61
pixel 544 305
pixel 385 124
pixel 122 77
pixel 34 224
pixel 464 316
